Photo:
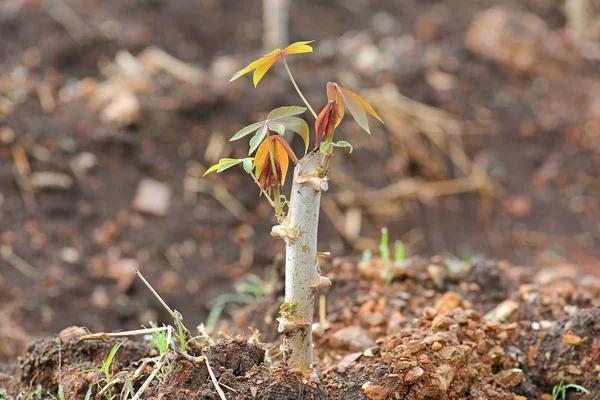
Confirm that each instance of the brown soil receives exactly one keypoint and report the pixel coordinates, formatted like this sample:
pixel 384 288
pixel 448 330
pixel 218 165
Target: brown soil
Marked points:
pixel 532 126
pixel 72 236
pixel 413 339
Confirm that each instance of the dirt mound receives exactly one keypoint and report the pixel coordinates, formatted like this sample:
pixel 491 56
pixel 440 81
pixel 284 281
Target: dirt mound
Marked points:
pixel 412 339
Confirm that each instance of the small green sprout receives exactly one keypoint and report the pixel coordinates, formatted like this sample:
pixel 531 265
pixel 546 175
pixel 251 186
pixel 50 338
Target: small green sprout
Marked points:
pixel 105 370
pixel 37 394
pixel 61 394
pixel 245 293
pixel 559 392
pixel 288 308
pixel 384 251
pixel 399 253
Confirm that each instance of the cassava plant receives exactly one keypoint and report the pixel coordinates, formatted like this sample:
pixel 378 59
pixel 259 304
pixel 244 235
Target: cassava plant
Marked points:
pixel 297 218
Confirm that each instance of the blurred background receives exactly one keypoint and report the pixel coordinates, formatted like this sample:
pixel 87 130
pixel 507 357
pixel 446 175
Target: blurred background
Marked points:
pixel 111 111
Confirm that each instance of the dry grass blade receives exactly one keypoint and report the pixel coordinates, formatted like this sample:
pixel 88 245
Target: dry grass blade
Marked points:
pixel 46 98
pixel 154 58
pixel 150 378
pixel 214 380
pixel 138 332
pixel 218 191
pixel 155 293
pixel 8 255
pixel 21 172
pixel 75 26
pixel 177 318
pixel 108 386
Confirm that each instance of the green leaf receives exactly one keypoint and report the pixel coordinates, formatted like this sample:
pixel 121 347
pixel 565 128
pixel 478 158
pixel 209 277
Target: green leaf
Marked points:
pixel 223 164
pixel 325 146
pixel 398 252
pixel 277 127
pixel 299 126
pixel 258 138
pixel 246 130
pixel 284 112
pixel 357 111
pixel 109 359
pixel 88 395
pixel 577 387
pixel 343 143
pixel 226 163
pixel 247 164
pixel 384 249
pixel 130 386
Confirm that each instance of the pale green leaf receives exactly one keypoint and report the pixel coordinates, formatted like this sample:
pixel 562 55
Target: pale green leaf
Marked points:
pixel 284 112
pixel 363 103
pixel 247 163
pixel 256 139
pixel 246 130
pixel 325 146
pixel 226 163
pixel 299 126
pixel 357 111
pixel 343 143
pixel 223 164
pixel 277 127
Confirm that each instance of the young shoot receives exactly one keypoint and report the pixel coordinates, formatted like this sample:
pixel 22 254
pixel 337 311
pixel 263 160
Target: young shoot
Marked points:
pixel 384 252
pixel 297 215
pixel 559 392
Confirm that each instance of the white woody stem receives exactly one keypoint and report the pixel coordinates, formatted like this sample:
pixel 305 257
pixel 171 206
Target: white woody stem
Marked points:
pixel 302 275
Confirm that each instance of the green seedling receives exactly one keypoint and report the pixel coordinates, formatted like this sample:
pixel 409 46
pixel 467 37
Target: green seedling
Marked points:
pixel 384 252
pixel 297 217
pixel 245 293
pixel 161 342
pixel 61 394
pixel 559 392
pixel 106 371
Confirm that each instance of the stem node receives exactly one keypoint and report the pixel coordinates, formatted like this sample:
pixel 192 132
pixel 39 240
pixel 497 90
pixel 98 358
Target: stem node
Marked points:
pixel 323 283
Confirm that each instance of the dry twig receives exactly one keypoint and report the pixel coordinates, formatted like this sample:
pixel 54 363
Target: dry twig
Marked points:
pixel 155 371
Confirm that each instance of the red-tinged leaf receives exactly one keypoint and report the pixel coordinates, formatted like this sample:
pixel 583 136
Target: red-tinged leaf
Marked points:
pixel 262 158
pixel 288 150
pixel 246 130
pixel 266 177
pixel 325 124
pixel 281 157
pixel 333 93
pixel 298 48
pixel 357 111
pixel 299 126
pixel 363 103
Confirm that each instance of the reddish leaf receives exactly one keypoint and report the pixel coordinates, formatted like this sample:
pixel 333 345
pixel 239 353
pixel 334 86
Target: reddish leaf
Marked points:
pixel 333 93
pixel 274 150
pixel 326 121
